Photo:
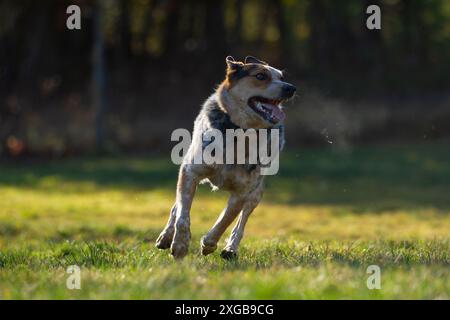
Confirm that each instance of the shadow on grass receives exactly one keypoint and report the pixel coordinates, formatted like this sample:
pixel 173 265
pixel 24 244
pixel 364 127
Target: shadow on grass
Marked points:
pixel 371 178
pixel 88 233
pixel 121 173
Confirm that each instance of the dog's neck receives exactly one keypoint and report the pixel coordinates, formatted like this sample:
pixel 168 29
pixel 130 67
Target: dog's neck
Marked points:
pixel 225 99
pixel 233 107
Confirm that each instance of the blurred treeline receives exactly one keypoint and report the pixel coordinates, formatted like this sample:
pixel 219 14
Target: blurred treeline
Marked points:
pixel 140 68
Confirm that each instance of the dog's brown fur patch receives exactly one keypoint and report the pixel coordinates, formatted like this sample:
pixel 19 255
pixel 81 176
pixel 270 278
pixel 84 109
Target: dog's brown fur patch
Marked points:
pixel 238 70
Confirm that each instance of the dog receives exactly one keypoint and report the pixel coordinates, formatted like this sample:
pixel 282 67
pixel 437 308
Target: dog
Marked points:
pixel 250 97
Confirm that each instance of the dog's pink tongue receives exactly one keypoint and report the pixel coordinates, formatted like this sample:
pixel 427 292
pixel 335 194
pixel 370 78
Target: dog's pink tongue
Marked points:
pixel 278 114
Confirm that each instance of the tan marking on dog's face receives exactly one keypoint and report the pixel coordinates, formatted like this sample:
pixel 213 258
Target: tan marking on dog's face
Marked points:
pixel 259 77
pixel 261 80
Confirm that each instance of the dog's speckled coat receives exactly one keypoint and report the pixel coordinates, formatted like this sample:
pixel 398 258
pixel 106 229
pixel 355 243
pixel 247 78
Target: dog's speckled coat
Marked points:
pixel 227 108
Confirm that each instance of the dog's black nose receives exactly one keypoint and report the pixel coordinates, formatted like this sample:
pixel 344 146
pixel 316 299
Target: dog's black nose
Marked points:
pixel 288 90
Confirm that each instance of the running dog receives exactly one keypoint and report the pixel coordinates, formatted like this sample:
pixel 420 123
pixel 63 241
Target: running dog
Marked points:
pixel 250 97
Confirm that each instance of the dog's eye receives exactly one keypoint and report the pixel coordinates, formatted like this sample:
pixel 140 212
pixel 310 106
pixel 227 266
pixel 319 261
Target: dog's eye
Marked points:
pixel 261 76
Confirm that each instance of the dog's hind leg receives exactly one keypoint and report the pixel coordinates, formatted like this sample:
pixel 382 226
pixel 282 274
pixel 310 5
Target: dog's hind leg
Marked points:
pixel 165 238
pixel 187 184
pixel 209 241
pixel 230 250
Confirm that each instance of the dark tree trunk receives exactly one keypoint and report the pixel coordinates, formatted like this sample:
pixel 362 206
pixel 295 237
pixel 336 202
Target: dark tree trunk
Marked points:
pixel 284 29
pixel 99 79
pixel 124 30
pixel 236 32
pixel 171 40
pixel 318 37
pixel 215 36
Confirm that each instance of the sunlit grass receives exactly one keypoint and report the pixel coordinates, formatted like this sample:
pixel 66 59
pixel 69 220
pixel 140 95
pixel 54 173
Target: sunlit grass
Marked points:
pixel 325 217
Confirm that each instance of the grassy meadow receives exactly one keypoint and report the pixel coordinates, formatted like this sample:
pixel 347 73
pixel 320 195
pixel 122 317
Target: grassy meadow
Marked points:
pixel 324 219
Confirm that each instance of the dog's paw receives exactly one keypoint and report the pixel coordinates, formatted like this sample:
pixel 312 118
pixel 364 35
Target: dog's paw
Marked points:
pixel 164 240
pixel 180 243
pixel 228 254
pixel 178 250
pixel 207 246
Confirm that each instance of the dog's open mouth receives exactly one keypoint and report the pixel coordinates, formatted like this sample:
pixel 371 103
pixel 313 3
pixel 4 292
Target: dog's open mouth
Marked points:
pixel 268 109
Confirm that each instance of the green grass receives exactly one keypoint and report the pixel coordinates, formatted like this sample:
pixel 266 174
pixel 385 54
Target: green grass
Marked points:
pixel 324 219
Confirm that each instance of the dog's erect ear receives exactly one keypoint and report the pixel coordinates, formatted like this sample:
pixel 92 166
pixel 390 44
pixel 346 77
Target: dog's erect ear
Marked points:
pixel 231 63
pixel 235 69
pixel 251 59
pixel 229 59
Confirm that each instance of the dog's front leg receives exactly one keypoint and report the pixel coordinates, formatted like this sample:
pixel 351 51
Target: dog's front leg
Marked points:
pixel 187 184
pixel 230 250
pixel 166 236
pixel 209 241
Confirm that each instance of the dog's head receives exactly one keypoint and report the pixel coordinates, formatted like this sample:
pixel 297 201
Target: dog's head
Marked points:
pixel 252 93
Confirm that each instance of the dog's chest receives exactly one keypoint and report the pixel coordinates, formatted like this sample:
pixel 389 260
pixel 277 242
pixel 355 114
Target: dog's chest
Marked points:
pixel 235 178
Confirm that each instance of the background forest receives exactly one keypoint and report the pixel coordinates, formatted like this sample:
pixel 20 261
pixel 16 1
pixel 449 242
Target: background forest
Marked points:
pixel 138 69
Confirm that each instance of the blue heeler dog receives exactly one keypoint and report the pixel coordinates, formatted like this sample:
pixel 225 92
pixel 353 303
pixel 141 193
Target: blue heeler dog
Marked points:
pixel 250 97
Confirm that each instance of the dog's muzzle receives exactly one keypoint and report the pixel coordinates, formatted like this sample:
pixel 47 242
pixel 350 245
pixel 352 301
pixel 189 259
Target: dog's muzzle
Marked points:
pixel 288 90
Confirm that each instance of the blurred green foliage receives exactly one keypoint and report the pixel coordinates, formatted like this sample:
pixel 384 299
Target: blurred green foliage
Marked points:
pixel 163 57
